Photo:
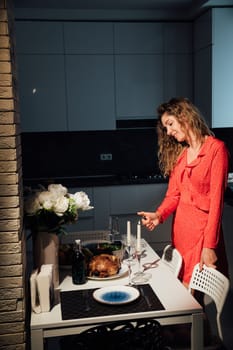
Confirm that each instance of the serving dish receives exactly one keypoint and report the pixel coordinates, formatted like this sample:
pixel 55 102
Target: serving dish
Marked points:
pixel 123 271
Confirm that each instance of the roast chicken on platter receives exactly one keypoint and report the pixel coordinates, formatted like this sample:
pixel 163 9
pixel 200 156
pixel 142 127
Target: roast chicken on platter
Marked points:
pixel 104 265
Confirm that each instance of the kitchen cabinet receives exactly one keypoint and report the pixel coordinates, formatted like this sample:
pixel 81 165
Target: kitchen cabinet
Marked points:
pixel 178 76
pixel 203 81
pixel 89 66
pixel 88 38
pixel 139 85
pixel 40 62
pixel 153 63
pixel 177 38
pixel 85 75
pixel 138 38
pixel 202 62
pixel 139 69
pixel 39 37
pixel 42 92
pixel 177 60
pixel 90 92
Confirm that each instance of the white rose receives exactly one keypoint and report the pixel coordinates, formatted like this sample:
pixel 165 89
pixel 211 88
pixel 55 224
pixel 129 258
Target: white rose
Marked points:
pixel 57 189
pixel 61 205
pixel 45 196
pixel 48 204
pixel 81 200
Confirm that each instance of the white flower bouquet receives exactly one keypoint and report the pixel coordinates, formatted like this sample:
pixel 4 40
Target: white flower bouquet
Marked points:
pixel 48 210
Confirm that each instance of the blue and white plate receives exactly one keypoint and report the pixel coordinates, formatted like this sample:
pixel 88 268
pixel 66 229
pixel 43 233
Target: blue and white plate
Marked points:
pixel 116 295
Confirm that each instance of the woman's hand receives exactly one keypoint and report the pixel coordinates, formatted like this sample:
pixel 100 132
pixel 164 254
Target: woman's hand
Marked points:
pixel 208 257
pixel 149 219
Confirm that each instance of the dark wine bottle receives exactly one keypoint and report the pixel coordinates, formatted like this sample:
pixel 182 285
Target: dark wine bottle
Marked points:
pixel 78 264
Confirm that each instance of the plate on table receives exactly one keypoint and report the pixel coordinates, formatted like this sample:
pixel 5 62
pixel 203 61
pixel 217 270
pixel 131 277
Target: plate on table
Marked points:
pixel 116 295
pixel 123 270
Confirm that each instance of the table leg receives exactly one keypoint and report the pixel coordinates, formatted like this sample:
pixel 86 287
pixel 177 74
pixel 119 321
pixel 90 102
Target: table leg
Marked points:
pixel 197 340
pixel 37 340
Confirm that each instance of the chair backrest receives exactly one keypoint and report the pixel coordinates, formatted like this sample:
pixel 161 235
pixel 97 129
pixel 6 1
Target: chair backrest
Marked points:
pixel 172 259
pixel 213 283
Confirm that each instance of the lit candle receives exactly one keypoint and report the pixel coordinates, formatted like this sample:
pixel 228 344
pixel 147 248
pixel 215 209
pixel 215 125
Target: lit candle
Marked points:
pixel 139 237
pixel 128 233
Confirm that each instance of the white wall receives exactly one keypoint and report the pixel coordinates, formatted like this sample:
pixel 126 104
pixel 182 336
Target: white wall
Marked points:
pixel 222 67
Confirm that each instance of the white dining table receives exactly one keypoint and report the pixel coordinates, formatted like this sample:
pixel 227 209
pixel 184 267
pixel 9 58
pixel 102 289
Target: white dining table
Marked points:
pixel 179 306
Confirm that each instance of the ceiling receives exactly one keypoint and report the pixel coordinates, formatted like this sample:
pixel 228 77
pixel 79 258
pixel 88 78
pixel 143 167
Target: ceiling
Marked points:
pixel 108 4
pixel 113 9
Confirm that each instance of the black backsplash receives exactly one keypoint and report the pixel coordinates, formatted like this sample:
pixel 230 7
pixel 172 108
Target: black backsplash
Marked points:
pixel 74 157
pixel 77 154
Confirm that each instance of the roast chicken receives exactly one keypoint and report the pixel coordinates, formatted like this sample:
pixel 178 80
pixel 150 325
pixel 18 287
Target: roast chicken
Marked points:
pixel 104 265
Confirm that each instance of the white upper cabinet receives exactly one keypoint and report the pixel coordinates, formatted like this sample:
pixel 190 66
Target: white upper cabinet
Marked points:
pixel 138 38
pixel 34 37
pixel 88 38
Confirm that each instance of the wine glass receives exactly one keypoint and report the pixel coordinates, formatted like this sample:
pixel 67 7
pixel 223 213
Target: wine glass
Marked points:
pixel 140 276
pixel 114 227
pixel 130 255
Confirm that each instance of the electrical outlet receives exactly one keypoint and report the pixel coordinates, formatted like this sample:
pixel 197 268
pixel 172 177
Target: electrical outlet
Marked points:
pixel 106 156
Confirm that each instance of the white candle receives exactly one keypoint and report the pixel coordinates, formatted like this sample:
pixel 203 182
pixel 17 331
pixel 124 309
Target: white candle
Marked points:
pixel 139 237
pixel 128 233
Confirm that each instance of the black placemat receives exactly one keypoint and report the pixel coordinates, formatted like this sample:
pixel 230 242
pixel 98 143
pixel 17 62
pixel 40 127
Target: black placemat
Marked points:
pixel 81 304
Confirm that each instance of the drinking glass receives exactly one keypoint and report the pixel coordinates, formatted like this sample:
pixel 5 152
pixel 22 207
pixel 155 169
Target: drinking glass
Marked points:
pixel 129 254
pixel 114 227
pixel 140 276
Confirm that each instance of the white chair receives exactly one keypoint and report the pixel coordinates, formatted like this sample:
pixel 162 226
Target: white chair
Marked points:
pixel 172 259
pixel 214 284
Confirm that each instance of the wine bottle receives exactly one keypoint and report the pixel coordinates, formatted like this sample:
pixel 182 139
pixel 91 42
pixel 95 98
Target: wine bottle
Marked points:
pixel 78 264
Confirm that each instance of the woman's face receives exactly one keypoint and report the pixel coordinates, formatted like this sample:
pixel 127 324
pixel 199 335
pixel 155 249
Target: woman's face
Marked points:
pixel 173 127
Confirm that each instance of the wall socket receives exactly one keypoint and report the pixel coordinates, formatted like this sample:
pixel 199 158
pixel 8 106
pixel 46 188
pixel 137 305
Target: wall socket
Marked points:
pixel 105 156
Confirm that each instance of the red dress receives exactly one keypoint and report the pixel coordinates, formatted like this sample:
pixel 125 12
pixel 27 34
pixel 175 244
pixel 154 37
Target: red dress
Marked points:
pixel 195 195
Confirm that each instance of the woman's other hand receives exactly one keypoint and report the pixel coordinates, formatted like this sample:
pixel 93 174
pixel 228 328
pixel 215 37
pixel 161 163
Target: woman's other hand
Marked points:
pixel 149 219
pixel 208 257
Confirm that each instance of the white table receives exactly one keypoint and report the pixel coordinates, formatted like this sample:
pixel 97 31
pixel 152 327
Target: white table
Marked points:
pixel 180 307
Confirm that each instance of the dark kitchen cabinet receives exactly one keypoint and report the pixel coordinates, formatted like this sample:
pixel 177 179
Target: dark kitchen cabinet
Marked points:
pixel 42 92
pixel 87 75
pixel 90 92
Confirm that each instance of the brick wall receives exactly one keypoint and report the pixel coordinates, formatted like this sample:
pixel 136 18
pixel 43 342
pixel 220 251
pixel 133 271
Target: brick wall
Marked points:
pixel 12 242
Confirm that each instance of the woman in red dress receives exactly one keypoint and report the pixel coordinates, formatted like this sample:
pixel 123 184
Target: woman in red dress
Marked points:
pixel 197 165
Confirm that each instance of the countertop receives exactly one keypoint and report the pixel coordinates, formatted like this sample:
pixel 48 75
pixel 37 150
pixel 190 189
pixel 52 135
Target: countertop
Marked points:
pixel 98 180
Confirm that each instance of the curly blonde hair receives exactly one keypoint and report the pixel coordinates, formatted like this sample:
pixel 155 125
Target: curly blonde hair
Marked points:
pixel 190 118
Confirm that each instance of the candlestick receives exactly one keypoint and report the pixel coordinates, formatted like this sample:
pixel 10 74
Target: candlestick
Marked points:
pixel 139 237
pixel 128 233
